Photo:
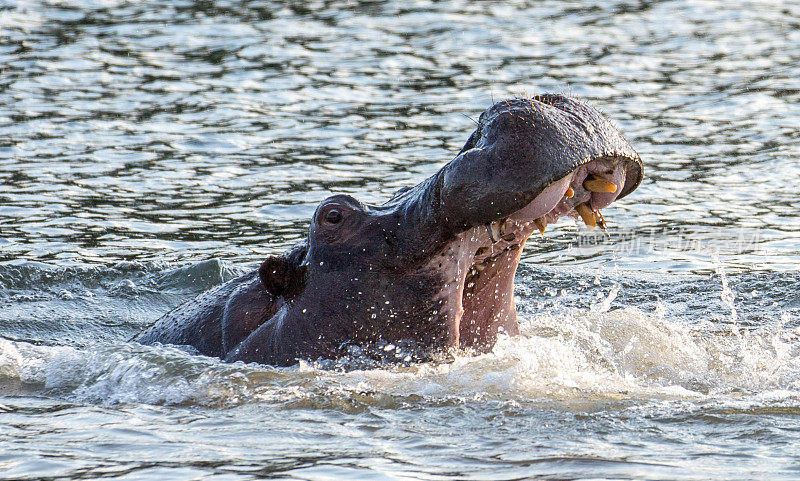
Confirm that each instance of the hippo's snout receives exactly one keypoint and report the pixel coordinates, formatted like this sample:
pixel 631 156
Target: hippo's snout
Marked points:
pixel 522 147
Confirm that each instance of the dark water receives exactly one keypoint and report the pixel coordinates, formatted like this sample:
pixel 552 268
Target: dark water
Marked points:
pixel 149 151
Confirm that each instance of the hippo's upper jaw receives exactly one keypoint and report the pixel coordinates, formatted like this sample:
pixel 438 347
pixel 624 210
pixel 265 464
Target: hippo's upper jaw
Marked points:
pixel 436 263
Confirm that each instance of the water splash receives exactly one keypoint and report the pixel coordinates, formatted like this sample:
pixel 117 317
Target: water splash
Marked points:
pixel 727 295
pixel 575 357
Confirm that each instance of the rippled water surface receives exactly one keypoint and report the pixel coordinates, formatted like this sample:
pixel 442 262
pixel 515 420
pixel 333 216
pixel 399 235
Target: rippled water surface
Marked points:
pixel 150 151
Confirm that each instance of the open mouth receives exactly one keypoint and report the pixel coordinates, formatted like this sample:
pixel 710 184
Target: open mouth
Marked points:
pixel 487 292
pixel 581 194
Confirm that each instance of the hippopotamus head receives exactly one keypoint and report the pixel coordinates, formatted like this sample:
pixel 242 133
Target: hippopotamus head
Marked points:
pixel 436 263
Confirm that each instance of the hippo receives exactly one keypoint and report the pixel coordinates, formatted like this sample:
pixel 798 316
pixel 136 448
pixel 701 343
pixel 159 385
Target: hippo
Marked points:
pixel 435 264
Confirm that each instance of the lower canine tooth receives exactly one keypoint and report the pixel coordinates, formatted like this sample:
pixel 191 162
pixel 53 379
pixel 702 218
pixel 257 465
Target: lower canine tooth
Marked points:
pixel 586 214
pixel 541 224
pixel 493 228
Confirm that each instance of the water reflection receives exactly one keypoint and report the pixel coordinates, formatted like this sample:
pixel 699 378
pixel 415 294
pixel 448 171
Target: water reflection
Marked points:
pixel 161 130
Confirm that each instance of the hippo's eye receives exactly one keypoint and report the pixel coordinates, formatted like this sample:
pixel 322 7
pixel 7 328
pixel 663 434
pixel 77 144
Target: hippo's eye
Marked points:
pixel 333 216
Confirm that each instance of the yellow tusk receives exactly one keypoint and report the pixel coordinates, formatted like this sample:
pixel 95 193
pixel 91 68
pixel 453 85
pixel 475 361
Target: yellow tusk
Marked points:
pixel 569 193
pixel 541 223
pixel 599 185
pixel 586 214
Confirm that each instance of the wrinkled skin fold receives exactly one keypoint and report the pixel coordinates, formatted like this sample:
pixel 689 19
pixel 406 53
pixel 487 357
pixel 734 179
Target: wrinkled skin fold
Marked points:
pixel 436 263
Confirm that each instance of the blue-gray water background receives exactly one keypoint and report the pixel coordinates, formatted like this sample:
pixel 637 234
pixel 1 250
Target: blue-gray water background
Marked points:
pixel 151 150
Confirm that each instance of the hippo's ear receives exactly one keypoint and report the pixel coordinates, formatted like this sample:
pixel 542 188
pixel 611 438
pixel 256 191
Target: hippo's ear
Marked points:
pixel 282 276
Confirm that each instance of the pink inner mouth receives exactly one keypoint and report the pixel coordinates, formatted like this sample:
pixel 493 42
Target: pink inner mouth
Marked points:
pixel 556 202
pixel 484 276
pixel 597 170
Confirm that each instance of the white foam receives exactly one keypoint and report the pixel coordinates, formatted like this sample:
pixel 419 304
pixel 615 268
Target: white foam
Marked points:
pixel 567 356
pixel 579 355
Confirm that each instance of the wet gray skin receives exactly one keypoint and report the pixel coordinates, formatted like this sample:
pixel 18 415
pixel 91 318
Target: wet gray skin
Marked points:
pixel 435 264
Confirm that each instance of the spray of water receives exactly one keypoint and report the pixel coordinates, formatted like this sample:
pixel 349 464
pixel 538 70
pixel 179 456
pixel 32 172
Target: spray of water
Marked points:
pixel 605 353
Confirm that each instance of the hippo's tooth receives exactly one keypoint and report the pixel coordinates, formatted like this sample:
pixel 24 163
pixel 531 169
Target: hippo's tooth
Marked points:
pixel 569 193
pixel 601 222
pixel 586 214
pixel 541 223
pixel 502 224
pixel 595 184
pixel 506 236
pixel 493 228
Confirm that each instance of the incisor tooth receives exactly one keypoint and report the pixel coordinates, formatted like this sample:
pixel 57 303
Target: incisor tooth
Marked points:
pixel 541 223
pixel 586 214
pixel 569 193
pixel 599 185
pixel 601 222
pixel 494 231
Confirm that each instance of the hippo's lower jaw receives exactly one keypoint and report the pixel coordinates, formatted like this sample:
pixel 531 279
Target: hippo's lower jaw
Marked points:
pixel 482 261
pixel 436 263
